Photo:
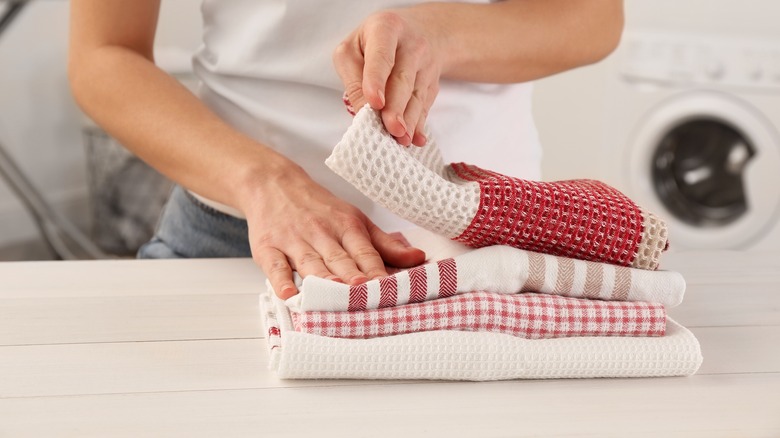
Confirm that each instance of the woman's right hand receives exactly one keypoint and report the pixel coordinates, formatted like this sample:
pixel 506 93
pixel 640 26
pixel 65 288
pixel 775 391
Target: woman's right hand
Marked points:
pixel 297 225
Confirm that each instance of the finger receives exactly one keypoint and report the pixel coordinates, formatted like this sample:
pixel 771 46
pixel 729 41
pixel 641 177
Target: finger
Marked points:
pixel 339 261
pixel 394 250
pixel 420 138
pixel 379 50
pixel 276 267
pixel 400 86
pixel 308 261
pixel 348 61
pixel 414 110
pixel 358 244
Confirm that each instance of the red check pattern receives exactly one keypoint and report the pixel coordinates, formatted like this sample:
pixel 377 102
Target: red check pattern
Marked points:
pixel 527 315
pixel 582 219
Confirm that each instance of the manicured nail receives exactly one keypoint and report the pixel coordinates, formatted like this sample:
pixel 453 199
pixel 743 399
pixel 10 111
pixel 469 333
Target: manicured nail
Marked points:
pixel 403 124
pixel 358 279
pixel 348 104
pixel 289 291
pixel 402 244
pixel 334 278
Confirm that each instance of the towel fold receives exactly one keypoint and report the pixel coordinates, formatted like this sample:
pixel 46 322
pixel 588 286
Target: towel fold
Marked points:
pixel 582 219
pixel 498 269
pixel 526 315
pixel 461 355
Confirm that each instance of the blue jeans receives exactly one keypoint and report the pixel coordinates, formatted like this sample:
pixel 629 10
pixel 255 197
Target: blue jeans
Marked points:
pixel 190 229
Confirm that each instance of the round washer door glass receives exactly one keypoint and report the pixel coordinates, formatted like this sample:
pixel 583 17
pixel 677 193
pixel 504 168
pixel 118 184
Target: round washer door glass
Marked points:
pixel 697 172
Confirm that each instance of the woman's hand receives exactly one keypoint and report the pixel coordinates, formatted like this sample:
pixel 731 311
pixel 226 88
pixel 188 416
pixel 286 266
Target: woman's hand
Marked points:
pixel 393 62
pixel 395 58
pixel 296 224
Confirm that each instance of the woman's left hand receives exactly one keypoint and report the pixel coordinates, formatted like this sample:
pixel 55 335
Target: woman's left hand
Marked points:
pixel 393 62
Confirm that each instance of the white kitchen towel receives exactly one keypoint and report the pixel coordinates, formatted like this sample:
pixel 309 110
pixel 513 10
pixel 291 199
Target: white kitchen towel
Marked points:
pixel 499 269
pixel 454 355
pixel 582 219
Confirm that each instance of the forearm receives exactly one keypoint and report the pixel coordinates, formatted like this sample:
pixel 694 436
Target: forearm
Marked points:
pixel 521 40
pixel 162 122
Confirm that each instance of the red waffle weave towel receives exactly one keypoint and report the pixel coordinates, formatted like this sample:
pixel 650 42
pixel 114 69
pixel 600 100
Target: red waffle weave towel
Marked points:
pixel 527 315
pixel 582 219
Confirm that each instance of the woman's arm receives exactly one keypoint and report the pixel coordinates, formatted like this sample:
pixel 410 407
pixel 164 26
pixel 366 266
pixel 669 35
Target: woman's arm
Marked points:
pixel 114 79
pixel 293 222
pixel 395 59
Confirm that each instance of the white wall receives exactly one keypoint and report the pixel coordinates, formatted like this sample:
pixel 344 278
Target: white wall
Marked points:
pixel 570 108
pixel 39 123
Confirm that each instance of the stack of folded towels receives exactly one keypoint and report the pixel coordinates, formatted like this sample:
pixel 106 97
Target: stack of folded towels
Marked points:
pixel 563 283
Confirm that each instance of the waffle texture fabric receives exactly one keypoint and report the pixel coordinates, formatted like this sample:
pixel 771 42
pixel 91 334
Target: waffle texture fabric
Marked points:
pixel 582 219
pixel 461 355
pixel 497 269
pixel 526 315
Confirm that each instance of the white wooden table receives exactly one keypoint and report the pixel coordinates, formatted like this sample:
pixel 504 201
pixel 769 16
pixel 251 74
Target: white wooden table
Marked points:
pixel 151 348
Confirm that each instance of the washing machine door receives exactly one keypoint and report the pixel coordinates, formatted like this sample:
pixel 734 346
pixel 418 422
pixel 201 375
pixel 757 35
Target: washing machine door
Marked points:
pixel 708 163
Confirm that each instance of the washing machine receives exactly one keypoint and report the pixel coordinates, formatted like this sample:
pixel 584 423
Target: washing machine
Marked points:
pixel 692 132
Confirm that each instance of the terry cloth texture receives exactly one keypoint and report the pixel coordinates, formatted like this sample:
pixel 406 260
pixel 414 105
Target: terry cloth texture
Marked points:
pixel 498 269
pixel 527 315
pixel 582 219
pixel 461 355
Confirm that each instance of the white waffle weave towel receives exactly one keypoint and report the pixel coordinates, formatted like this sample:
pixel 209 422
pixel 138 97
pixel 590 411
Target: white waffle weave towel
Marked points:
pixel 454 355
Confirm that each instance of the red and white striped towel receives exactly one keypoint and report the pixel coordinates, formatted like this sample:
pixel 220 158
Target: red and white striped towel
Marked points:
pixel 498 269
pixel 527 315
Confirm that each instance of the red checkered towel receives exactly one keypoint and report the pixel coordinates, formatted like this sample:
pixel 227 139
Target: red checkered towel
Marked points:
pixel 582 219
pixel 527 315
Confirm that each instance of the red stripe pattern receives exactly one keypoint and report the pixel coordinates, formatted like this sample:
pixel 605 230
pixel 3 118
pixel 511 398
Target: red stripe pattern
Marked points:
pixel 448 277
pixel 358 297
pixel 388 291
pixel 527 315
pixel 418 282
pixel 582 219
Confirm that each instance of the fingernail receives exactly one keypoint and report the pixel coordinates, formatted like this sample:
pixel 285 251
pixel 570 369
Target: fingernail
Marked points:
pixel 348 104
pixel 381 97
pixel 334 278
pixel 358 279
pixel 288 291
pixel 403 124
pixel 402 244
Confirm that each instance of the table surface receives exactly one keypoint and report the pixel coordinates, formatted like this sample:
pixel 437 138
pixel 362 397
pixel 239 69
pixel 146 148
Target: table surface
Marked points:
pixel 140 348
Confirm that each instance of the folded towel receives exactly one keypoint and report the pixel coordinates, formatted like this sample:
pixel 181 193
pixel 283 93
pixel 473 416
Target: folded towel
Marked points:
pixel 459 355
pixel 498 269
pixel 582 219
pixel 527 315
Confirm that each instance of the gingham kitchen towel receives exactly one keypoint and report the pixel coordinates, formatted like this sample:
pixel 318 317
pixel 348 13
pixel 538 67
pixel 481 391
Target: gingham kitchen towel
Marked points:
pixel 462 355
pixel 526 315
pixel 582 219
pixel 498 269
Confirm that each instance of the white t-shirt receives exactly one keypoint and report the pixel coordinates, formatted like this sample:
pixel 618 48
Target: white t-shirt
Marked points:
pixel 266 68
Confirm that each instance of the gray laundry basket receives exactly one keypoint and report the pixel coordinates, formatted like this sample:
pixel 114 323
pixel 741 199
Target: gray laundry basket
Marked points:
pixel 126 195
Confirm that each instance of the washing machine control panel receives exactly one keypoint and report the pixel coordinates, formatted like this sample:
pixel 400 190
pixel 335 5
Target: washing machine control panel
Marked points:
pixel 673 58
